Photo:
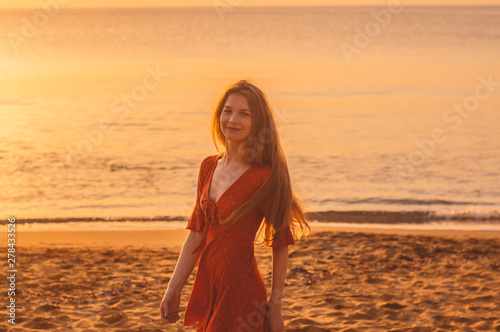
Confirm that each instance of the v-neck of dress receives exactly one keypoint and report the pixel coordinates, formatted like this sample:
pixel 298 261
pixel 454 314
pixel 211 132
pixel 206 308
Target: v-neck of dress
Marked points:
pixel 232 184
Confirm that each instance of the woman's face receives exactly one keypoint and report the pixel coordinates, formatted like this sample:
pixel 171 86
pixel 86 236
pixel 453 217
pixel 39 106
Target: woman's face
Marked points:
pixel 236 118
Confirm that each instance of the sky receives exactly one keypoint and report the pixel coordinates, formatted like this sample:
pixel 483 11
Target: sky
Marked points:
pixel 232 3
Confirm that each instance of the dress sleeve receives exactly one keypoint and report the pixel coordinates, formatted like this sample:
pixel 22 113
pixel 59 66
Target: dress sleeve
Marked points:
pixel 196 221
pixel 285 237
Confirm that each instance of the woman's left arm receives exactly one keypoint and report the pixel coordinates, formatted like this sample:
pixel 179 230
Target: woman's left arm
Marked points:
pixel 274 321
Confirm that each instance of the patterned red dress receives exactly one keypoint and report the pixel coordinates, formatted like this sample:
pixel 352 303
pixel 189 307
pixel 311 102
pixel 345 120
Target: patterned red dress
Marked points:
pixel 228 293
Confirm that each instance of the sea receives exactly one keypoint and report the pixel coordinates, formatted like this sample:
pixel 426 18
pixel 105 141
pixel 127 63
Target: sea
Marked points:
pixel 105 113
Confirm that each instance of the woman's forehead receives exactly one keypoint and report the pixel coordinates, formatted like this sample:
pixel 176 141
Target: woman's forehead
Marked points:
pixel 237 101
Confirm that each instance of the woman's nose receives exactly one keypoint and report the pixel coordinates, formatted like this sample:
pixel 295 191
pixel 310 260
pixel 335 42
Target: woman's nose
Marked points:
pixel 233 118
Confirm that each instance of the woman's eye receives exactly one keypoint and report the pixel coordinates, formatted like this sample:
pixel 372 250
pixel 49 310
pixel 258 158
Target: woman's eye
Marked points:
pixel 246 114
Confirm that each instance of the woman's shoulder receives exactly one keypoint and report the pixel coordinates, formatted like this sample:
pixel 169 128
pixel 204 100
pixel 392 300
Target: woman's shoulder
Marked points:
pixel 209 159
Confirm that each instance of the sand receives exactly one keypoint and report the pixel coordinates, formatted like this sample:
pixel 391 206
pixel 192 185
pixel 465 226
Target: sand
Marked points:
pixel 338 280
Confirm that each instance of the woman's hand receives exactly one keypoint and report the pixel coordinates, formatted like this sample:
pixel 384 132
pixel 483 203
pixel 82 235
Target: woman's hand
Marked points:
pixel 273 321
pixel 169 307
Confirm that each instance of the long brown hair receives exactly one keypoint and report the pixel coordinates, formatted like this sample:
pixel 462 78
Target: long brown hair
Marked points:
pixel 262 147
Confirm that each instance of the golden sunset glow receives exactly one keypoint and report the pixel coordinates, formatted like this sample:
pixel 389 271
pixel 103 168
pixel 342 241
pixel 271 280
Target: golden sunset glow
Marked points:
pixel 203 3
pixel 153 151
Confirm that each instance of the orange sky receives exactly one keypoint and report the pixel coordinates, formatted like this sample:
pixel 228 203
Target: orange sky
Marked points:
pixel 209 3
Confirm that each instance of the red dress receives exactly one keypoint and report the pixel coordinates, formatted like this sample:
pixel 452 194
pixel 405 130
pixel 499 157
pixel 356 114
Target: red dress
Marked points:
pixel 228 293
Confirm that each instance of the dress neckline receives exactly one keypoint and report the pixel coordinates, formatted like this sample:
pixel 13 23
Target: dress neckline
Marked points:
pixel 230 186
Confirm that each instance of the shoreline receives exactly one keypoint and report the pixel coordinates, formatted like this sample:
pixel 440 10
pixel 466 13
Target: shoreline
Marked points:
pixel 350 216
pixel 175 237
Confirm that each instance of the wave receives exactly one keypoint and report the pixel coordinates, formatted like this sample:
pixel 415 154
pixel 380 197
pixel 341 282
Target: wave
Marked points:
pixel 353 217
pixel 405 201
pixel 16 101
pixel 405 217
pixel 92 220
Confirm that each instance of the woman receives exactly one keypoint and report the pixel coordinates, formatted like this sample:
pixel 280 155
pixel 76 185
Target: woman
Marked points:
pixel 236 190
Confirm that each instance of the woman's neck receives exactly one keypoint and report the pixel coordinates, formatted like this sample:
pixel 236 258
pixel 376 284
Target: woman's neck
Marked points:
pixel 233 155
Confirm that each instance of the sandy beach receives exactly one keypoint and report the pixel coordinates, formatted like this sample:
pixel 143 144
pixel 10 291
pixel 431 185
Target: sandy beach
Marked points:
pixel 338 280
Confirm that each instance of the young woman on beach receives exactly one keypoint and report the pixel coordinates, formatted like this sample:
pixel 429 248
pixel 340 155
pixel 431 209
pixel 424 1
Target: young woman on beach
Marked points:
pixel 249 181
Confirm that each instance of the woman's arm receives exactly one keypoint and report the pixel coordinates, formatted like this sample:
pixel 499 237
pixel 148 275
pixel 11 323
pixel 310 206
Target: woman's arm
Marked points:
pixel 186 262
pixel 274 320
pixel 169 307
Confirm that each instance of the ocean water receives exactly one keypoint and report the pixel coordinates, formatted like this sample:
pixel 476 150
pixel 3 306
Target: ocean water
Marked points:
pixel 377 111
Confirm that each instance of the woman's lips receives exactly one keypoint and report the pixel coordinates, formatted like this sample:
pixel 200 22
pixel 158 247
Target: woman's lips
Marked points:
pixel 233 129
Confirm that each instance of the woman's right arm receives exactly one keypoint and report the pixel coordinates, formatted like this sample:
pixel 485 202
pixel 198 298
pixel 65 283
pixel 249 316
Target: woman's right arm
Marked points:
pixel 169 307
